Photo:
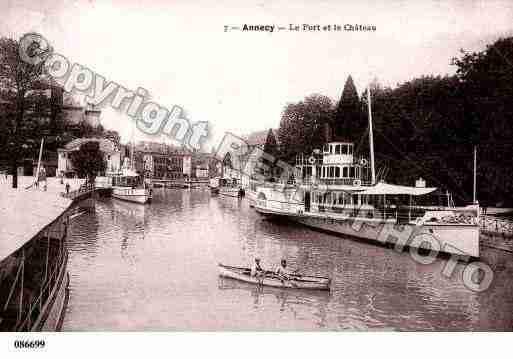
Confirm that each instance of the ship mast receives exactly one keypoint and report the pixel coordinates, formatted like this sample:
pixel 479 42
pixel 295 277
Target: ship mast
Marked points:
pixel 39 160
pixel 132 167
pixel 475 176
pixel 371 139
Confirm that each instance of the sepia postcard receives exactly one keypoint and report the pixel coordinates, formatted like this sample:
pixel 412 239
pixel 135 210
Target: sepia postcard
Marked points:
pixel 289 170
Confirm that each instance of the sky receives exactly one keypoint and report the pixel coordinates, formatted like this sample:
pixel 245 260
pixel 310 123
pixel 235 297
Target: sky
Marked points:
pixel 241 81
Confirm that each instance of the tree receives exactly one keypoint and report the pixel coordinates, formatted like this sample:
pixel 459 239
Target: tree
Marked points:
pixel 349 123
pixel 302 125
pixel 86 130
pixel 487 78
pixel 17 77
pixel 486 83
pixel 88 160
pixel 271 146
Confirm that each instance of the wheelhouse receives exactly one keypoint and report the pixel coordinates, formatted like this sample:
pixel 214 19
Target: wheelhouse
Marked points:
pixel 335 164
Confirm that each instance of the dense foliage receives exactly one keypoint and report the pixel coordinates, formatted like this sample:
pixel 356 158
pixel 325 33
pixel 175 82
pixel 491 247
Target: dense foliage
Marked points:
pixel 302 125
pixel 88 160
pixel 17 78
pixel 28 114
pixel 426 127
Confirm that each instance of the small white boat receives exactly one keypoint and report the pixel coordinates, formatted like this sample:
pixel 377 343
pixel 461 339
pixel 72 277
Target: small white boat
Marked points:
pixel 272 280
pixel 226 187
pixel 129 186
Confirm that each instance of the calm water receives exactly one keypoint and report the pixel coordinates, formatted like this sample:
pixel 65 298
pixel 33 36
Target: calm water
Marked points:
pixel 153 267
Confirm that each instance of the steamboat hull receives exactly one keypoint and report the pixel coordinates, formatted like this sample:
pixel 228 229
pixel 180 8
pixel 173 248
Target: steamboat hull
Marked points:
pixel 458 239
pixel 132 195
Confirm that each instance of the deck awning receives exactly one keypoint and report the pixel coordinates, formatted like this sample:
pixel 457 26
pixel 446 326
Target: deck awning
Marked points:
pixel 392 189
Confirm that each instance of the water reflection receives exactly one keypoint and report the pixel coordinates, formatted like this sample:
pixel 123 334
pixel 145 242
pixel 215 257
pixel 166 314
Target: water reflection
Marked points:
pixel 154 267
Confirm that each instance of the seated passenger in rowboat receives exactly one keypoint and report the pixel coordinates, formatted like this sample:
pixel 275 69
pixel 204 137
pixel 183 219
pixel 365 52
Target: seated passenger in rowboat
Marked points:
pixel 282 271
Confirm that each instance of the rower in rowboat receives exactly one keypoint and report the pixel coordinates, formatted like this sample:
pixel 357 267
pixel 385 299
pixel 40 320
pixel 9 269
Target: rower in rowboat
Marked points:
pixel 257 271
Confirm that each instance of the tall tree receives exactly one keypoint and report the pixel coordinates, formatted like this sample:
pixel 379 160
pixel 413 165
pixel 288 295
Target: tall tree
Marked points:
pixel 271 146
pixel 88 160
pixel 348 123
pixel 487 78
pixel 486 81
pixel 17 78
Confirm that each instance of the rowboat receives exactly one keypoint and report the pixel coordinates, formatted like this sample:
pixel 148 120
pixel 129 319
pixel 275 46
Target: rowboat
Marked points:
pixel 296 281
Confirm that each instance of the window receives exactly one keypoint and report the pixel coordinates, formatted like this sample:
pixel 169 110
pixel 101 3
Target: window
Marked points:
pixel 357 172
pixel 337 172
pixel 332 171
pixel 326 149
pixel 351 171
pixel 323 171
pixel 344 149
pixel 337 149
pixel 344 172
pixel 350 149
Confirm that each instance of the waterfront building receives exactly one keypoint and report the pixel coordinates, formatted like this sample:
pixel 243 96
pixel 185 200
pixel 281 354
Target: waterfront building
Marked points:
pixel 76 113
pixel 181 165
pixel 202 171
pixel 231 167
pixel 161 161
pixel 200 165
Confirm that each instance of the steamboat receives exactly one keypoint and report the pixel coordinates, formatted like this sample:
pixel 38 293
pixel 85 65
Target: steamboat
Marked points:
pixel 130 186
pixel 335 190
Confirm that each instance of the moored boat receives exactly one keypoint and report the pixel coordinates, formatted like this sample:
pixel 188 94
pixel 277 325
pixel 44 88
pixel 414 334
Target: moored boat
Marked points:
pixel 296 281
pixel 129 186
pixel 226 187
pixel 337 190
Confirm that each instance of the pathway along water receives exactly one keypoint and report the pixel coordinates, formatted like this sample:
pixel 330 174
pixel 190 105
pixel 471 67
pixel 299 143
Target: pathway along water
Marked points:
pixel 153 267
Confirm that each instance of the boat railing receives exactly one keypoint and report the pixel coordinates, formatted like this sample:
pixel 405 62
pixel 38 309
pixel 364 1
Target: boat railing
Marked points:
pixel 282 206
pixel 401 214
pixel 84 188
pixel 304 160
pixel 103 182
pixel 496 225
pixel 357 212
pixel 332 182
